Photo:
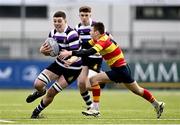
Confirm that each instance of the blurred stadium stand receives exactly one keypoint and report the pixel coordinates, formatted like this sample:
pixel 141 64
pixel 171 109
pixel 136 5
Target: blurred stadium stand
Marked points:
pixel 148 31
pixel 141 29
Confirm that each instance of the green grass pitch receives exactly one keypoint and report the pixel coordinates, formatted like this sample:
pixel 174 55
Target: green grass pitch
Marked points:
pixel 117 107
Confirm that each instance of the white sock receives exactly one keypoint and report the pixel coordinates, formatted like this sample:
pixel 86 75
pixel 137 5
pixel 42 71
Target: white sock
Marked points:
pixel 155 103
pixel 96 105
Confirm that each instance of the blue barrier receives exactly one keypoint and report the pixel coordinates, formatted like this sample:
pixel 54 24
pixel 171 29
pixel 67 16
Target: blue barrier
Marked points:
pixel 21 73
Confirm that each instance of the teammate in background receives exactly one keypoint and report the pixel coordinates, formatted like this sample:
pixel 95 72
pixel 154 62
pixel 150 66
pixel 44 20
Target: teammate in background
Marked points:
pixel 120 71
pixel 92 63
pixel 67 38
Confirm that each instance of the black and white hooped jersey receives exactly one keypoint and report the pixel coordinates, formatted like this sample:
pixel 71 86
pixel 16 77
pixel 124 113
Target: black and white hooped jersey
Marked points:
pixel 69 40
pixel 84 34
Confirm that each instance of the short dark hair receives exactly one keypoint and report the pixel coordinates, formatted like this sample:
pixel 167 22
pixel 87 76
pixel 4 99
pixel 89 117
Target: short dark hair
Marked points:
pixel 60 14
pixel 99 26
pixel 85 9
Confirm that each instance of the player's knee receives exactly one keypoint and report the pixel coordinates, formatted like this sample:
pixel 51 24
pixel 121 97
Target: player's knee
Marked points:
pixel 82 86
pixel 39 85
pixel 82 81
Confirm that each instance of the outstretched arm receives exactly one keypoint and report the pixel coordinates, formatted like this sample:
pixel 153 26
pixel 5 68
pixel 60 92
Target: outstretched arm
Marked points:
pixel 64 54
pixel 81 53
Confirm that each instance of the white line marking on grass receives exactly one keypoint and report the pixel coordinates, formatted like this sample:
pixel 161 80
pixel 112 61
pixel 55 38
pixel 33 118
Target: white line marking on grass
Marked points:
pixel 90 124
pixel 5 121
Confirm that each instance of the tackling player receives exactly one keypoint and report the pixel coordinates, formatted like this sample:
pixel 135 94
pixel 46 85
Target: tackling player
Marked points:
pixel 120 71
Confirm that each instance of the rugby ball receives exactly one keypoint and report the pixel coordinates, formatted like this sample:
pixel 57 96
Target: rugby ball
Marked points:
pixel 54 45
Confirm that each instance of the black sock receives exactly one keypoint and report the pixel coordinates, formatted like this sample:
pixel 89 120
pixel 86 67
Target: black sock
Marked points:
pixel 40 107
pixel 86 98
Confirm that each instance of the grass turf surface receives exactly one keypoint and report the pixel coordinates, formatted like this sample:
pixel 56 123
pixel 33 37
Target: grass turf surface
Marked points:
pixel 117 107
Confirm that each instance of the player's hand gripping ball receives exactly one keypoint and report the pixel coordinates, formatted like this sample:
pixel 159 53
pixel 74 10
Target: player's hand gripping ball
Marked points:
pixel 54 45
